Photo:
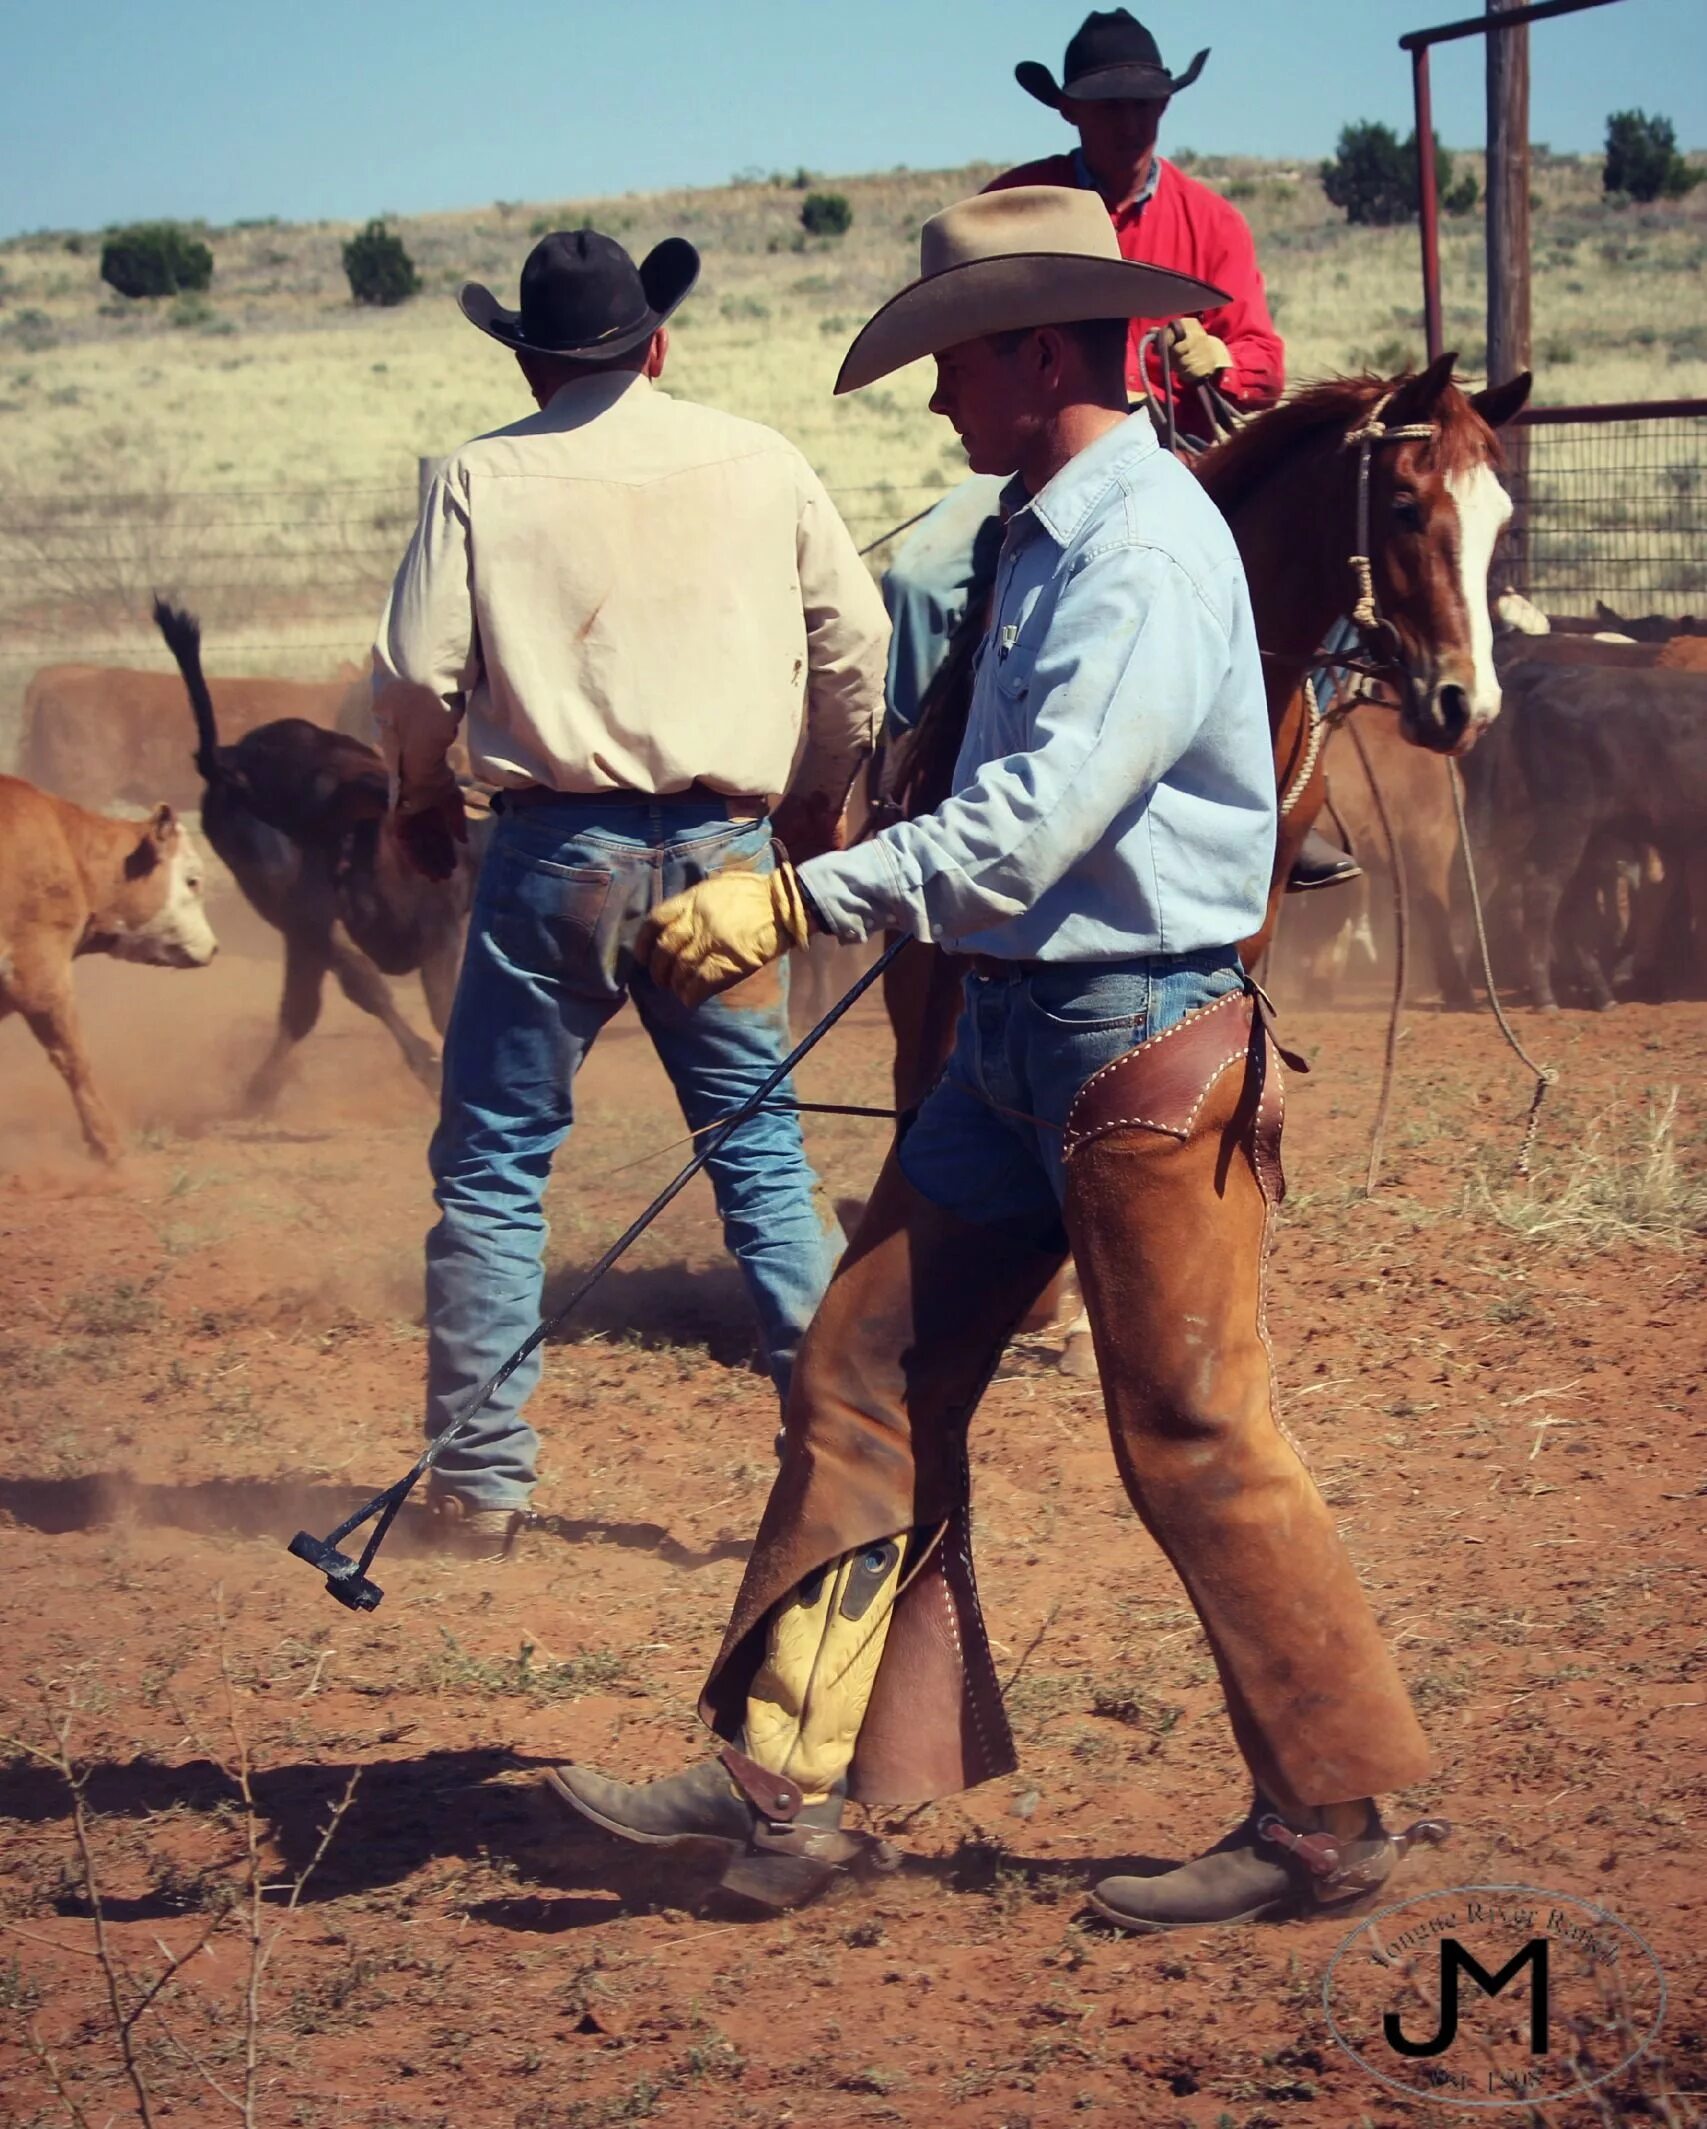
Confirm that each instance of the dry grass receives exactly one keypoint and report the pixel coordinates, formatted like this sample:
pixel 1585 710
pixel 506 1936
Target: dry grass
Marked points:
pixel 279 380
pixel 275 381
pixel 1616 1186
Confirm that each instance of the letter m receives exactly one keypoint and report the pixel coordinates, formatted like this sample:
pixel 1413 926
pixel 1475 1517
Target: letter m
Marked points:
pixel 1454 1960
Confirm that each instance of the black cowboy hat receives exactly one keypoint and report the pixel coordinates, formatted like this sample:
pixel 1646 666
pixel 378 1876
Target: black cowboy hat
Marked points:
pixel 1113 55
pixel 583 296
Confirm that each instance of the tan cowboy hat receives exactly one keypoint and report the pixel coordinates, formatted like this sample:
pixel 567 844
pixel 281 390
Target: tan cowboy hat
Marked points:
pixel 1033 255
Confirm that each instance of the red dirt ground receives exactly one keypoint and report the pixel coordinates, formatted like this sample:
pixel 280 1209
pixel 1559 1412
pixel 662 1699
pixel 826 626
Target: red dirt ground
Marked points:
pixel 222 1344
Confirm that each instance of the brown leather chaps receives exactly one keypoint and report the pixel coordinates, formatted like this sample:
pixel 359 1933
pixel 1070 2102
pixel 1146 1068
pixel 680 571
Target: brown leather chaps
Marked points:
pixel 1173 1163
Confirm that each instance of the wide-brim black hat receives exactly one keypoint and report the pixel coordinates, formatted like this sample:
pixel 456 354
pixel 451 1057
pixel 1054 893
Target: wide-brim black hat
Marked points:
pixel 1112 55
pixel 584 297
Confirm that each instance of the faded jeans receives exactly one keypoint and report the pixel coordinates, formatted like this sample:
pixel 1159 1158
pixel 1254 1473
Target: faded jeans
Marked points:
pixel 563 891
pixel 986 1143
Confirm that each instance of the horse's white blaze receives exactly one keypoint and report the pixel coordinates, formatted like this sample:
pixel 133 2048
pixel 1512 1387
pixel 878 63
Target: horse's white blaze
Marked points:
pixel 1483 508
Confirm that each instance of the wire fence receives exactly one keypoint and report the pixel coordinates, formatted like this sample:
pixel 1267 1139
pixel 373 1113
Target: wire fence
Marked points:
pixel 286 581
pixel 1610 507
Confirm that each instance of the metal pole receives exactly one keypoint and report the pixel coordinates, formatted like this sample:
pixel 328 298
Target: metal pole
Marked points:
pixel 1509 333
pixel 426 472
pixel 1428 202
pixel 1477 25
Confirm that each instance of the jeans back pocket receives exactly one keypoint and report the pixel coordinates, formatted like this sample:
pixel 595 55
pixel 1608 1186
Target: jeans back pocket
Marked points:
pixel 544 917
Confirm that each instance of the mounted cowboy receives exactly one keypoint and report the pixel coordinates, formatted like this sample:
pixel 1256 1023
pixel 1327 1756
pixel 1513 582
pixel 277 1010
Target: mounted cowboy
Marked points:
pixel 1114 1085
pixel 1114 91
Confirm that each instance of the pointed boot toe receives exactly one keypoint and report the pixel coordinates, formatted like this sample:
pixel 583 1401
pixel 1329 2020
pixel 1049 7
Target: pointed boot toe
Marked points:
pixel 1263 1869
pixel 775 1862
pixel 699 1804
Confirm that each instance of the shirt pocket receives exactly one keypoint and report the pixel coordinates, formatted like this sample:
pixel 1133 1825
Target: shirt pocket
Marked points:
pixel 1008 682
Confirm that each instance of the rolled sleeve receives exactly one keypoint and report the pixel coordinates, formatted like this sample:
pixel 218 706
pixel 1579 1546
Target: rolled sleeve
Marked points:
pixel 1115 696
pixel 426 657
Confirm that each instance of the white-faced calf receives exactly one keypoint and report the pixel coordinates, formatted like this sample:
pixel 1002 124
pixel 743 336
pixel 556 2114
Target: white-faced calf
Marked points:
pixel 74 882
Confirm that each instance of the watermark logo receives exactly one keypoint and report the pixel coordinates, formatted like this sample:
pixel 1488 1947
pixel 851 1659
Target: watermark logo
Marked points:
pixel 1494 1996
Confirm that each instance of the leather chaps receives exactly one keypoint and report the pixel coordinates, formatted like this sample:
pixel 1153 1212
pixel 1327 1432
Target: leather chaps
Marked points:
pixel 1173 1165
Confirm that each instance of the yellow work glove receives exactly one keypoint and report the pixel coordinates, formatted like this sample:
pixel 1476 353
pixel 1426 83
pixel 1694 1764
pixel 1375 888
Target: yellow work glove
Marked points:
pixel 730 926
pixel 1198 352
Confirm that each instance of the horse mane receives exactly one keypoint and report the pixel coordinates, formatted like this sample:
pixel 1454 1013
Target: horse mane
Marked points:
pixel 1245 461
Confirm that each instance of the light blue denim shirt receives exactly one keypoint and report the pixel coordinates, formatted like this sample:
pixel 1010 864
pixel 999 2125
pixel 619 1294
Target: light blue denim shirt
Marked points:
pixel 1114 795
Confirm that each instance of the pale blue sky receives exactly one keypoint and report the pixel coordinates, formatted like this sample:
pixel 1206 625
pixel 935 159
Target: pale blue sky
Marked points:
pixel 116 111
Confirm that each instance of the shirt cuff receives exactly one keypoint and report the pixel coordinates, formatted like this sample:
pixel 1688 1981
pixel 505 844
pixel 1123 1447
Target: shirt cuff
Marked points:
pixel 858 891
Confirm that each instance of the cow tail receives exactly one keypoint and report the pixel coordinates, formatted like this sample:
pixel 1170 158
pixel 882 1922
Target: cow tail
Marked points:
pixel 183 634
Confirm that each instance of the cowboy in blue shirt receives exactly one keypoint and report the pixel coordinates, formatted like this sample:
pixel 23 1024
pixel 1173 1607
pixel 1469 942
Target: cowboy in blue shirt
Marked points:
pixel 1113 1086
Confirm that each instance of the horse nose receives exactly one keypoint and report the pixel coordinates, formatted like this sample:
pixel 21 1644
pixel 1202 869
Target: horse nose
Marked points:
pixel 1450 710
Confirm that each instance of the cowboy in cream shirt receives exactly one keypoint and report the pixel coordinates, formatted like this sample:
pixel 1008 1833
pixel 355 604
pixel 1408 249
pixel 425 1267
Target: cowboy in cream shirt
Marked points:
pixel 629 592
pixel 647 617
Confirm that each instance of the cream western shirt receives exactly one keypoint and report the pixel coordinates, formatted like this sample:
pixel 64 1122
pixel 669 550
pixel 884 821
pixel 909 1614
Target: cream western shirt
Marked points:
pixel 630 592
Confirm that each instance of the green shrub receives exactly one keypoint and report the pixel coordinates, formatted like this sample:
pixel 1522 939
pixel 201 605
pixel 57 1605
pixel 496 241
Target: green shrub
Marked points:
pixel 1642 158
pixel 1373 176
pixel 379 269
pixel 826 214
pixel 154 259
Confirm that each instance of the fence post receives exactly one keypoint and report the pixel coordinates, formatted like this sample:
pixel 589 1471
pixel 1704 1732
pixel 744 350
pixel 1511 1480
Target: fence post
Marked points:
pixel 1509 343
pixel 426 472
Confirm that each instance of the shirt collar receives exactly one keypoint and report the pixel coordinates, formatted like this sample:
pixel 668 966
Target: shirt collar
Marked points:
pixel 583 397
pixel 1146 192
pixel 1064 504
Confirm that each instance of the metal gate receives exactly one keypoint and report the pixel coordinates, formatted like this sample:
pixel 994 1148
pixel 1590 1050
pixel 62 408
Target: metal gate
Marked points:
pixel 1611 506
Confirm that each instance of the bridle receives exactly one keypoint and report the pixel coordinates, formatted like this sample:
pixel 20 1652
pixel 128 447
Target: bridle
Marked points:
pixel 1380 637
pixel 1382 652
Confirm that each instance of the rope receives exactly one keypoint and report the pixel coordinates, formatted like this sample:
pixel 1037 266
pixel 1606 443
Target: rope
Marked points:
pixel 1401 938
pixel 1544 1074
pixel 1300 777
pixel 1374 431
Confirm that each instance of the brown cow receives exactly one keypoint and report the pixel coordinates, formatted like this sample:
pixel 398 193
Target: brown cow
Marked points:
pixel 74 882
pixel 105 735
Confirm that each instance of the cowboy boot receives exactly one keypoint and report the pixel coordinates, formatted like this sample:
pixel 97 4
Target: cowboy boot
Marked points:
pixel 469 1533
pixel 775 1806
pixel 1271 1864
pixel 780 1850
pixel 1320 864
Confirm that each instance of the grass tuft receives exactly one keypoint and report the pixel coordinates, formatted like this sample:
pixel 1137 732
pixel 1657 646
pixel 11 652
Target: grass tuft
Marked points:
pixel 1635 1190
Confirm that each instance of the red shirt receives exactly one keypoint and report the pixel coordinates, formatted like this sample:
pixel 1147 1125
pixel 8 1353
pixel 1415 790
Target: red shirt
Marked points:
pixel 1187 227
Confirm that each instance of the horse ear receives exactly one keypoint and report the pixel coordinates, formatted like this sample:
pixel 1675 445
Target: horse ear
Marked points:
pixel 1414 400
pixel 1499 402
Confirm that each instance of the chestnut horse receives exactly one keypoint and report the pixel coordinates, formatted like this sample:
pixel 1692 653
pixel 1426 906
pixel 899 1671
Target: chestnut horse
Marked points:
pixel 1373 496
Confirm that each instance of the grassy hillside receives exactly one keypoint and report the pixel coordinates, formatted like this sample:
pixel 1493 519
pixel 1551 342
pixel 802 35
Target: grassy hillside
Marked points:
pixel 274 382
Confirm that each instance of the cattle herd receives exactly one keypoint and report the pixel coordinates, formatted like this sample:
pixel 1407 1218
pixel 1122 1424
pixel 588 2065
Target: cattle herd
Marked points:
pixel 292 803
pixel 1586 810
pixel 1586 802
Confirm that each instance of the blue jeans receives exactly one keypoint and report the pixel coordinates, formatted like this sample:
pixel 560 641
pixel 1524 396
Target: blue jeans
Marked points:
pixel 563 891
pixel 986 1143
